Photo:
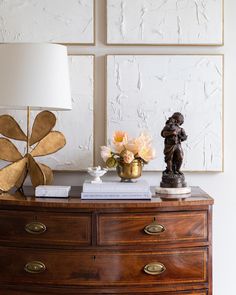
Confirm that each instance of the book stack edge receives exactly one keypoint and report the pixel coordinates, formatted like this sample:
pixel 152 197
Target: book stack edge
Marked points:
pixel 52 191
pixel 116 190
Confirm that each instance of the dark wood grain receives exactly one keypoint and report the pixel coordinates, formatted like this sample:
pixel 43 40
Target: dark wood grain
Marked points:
pixel 125 229
pixel 198 197
pixel 210 280
pixel 74 291
pixel 105 269
pixel 61 229
pixel 99 247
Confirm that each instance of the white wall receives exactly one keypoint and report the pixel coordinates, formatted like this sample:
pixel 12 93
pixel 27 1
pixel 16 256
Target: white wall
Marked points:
pixel 218 185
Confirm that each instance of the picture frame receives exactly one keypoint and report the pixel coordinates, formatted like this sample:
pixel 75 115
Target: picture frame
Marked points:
pixel 142 23
pixel 68 22
pixel 125 76
pixel 78 153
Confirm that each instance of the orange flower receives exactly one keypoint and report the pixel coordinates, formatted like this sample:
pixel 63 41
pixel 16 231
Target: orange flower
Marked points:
pixel 120 138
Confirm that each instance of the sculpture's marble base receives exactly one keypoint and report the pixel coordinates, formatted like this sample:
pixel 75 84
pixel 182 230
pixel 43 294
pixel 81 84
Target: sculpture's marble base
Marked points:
pixel 173 191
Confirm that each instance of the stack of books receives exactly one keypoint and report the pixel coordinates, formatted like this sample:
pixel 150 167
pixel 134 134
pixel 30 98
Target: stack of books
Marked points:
pixel 115 190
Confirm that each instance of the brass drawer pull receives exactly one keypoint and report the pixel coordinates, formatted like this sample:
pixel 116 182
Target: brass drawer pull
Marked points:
pixel 154 228
pixel 35 267
pixel 35 228
pixel 154 268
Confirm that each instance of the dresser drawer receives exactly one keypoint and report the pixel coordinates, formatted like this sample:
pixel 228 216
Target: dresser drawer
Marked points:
pixel 74 291
pixel 130 229
pixel 45 228
pixel 102 269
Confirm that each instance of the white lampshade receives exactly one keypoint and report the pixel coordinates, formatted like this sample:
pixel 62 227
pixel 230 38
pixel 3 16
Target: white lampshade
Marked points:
pixel 34 75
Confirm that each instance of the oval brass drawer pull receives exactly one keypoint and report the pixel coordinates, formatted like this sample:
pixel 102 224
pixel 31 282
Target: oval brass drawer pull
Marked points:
pixel 35 267
pixel 35 228
pixel 154 268
pixel 154 228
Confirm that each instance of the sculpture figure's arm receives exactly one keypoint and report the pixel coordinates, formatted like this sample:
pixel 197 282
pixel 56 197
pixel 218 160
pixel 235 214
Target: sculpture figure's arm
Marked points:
pixel 183 135
pixel 165 133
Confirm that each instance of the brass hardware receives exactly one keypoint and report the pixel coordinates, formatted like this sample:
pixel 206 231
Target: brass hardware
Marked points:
pixel 154 268
pixel 154 228
pixel 35 267
pixel 35 228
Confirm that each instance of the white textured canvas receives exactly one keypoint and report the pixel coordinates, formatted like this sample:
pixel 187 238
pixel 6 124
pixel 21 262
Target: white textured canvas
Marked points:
pixel 60 21
pixel 76 125
pixel 165 22
pixel 144 90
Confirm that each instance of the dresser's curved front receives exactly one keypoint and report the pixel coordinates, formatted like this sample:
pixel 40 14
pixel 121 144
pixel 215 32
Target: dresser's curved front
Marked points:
pixel 105 247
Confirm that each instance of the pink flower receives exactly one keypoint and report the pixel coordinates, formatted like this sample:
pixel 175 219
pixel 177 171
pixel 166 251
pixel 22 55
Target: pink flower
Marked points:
pixel 129 149
pixel 137 144
pixel 147 153
pixel 105 153
pixel 144 139
pixel 128 156
pixel 120 138
pixel 133 146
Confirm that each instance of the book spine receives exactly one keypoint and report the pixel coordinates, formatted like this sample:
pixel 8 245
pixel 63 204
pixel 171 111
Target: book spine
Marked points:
pixel 86 196
pixel 51 193
pixel 115 189
pixel 116 193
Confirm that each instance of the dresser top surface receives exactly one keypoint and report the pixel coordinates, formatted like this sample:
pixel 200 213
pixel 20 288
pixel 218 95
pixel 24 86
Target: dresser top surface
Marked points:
pixel 198 198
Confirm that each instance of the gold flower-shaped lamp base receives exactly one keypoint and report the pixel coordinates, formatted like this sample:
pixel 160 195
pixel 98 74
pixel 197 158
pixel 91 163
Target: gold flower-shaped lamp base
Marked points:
pixel 42 141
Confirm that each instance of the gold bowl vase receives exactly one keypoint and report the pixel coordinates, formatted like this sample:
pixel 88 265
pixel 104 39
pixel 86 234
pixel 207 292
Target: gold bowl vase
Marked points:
pixel 127 172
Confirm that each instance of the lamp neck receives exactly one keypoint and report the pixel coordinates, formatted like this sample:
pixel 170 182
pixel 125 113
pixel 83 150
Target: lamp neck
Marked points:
pixel 28 129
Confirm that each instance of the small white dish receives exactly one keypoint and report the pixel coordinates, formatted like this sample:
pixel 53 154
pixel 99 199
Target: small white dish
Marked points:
pixel 97 172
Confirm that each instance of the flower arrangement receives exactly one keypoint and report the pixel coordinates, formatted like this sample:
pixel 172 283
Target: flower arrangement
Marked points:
pixel 126 149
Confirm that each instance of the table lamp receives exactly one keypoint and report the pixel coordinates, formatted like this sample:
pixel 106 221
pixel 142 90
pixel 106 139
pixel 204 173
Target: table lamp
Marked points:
pixel 33 76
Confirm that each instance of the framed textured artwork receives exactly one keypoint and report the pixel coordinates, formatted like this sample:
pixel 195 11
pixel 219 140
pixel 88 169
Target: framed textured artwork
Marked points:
pixel 76 124
pixel 58 21
pixel 162 22
pixel 143 91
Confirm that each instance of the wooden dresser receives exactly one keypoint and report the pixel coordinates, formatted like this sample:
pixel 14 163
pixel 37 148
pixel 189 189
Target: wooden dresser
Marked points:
pixel 54 246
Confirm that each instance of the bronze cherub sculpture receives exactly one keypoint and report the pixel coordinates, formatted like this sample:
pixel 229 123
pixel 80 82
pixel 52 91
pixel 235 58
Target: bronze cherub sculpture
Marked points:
pixel 174 134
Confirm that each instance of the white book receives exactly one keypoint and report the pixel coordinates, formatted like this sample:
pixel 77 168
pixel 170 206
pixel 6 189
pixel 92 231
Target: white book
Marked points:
pixel 140 186
pixel 116 196
pixel 55 191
